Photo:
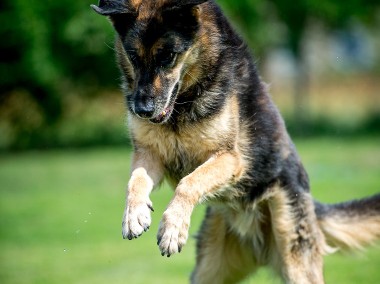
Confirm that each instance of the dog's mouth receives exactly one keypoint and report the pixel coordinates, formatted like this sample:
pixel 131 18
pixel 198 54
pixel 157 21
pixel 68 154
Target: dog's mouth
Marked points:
pixel 168 110
pixel 164 115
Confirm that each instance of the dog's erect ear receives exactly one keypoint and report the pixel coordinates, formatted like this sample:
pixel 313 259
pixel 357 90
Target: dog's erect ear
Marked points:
pixel 112 7
pixel 191 2
pixel 177 4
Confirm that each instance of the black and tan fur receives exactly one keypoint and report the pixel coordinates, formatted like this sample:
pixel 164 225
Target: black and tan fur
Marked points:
pixel 200 116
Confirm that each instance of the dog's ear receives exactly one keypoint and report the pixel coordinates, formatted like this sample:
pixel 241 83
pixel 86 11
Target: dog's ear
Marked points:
pixel 191 2
pixel 119 12
pixel 112 7
pixel 178 4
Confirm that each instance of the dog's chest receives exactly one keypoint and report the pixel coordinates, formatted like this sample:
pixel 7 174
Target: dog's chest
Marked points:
pixel 184 150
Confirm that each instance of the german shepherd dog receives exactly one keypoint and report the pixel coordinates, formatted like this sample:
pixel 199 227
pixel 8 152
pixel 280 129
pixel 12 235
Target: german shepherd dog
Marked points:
pixel 200 116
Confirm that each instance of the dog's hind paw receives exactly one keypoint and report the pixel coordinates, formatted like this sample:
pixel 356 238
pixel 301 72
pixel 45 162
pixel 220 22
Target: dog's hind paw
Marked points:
pixel 172 233
pixel 136 220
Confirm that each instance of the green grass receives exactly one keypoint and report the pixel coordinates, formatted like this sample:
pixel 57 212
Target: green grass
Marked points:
pixel 61 216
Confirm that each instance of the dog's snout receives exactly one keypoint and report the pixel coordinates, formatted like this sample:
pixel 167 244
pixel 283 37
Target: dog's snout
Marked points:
pixel 144 106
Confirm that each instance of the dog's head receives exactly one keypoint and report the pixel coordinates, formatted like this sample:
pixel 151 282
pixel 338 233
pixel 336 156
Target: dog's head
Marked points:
pixel 155 50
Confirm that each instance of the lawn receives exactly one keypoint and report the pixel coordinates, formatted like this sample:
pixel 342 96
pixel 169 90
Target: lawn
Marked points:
pixel 61 216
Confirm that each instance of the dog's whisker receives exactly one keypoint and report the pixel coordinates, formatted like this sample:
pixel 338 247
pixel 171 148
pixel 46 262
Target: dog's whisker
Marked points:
pixel 183 103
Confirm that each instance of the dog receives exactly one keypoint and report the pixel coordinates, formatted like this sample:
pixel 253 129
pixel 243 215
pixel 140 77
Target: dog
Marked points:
pixel 200 117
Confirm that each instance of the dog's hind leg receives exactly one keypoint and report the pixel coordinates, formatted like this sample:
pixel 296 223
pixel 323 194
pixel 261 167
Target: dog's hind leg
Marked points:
pixel 299 242
pixel 222 257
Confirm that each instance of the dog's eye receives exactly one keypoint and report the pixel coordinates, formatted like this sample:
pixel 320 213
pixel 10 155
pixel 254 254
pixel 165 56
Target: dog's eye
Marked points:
pixel 166 59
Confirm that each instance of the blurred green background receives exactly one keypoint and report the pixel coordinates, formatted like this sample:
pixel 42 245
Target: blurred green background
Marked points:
pixel 64 150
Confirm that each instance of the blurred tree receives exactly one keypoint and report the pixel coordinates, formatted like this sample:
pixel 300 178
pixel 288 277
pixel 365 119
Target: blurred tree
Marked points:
pixel 332 14
pixel 25 60
pixel 50 48
pixel 277 22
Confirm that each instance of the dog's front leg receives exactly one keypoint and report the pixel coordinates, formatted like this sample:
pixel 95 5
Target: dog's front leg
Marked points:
pixel 216 173
pixel 147 172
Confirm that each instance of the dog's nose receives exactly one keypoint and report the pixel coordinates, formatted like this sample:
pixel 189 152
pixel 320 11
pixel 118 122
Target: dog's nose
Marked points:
pixel 144 107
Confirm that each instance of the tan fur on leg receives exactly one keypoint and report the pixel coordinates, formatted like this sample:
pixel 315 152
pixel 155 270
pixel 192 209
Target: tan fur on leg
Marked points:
pixel 222 256
pixel 300 243
pixel 205 181
pixel 146 173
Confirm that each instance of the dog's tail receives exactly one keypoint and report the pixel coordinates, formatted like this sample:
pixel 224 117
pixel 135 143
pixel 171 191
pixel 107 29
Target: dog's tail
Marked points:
pixel 350 225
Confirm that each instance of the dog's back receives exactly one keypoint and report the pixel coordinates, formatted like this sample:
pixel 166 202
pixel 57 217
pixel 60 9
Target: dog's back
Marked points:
pixel 200 116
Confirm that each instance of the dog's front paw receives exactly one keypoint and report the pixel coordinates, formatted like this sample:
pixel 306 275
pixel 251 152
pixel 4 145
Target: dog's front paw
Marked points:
pixel 173 232
pixel 136 219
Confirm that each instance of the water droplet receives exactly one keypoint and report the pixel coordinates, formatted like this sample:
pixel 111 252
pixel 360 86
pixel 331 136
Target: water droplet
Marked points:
pixel 64 250
pixel 89 213
pixel 85 221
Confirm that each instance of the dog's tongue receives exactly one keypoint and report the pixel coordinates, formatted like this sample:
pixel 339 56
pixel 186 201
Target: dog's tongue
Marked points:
pixel 164 112
pixel 162 115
